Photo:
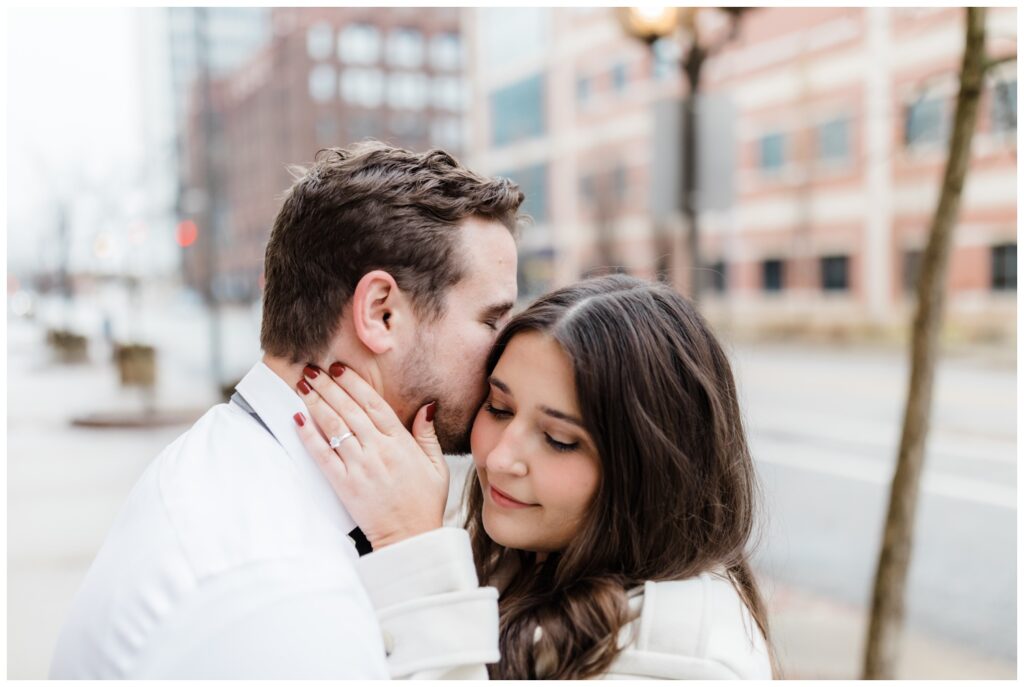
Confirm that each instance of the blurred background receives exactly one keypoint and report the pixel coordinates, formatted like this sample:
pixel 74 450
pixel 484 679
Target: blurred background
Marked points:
pixel 148 150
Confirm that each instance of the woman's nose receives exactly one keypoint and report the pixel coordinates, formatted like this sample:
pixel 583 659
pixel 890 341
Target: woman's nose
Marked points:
pixel 506 456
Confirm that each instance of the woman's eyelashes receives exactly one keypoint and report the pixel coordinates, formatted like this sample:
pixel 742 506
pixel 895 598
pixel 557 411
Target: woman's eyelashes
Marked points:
pixel 500 413
pixel 559 445
pixel 497 412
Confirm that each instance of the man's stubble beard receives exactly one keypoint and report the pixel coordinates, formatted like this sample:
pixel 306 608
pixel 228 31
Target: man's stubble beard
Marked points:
pixel 454 419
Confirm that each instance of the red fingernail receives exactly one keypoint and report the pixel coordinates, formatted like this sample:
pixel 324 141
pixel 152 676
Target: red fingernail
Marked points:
pixel 336 369
pixel 310 371
pixel 304 387
pixel 430 411
pixel 300 419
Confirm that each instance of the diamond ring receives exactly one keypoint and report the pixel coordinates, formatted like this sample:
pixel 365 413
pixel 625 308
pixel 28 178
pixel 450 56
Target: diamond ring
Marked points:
pixel 336 441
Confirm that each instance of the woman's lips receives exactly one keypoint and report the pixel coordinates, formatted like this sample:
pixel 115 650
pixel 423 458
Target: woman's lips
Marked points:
pixel 504 500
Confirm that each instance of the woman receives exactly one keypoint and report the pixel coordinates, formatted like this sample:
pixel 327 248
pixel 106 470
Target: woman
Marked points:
pixel 611 469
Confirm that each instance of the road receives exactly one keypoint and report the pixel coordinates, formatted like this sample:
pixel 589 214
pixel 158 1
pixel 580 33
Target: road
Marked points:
pixel 824 426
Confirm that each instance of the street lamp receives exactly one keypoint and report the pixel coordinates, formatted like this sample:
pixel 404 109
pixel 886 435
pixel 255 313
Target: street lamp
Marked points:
pixel 649 25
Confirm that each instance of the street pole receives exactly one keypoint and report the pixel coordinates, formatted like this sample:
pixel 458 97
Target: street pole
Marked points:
pixel 209 229
pixel 64 243
pixel 691 68
pixel 649 25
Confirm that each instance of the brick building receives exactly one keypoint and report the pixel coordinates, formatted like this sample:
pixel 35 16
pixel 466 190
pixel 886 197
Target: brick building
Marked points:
pixel 328 77
pixel 822 144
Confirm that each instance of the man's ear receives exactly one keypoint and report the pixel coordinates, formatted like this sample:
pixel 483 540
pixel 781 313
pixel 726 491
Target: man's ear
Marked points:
pixel 378 305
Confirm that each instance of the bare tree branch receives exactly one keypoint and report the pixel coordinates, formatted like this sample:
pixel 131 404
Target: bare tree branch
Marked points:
pixel 996 61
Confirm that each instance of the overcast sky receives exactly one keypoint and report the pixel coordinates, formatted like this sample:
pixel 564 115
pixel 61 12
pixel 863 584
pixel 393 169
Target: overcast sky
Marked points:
pixel 73 111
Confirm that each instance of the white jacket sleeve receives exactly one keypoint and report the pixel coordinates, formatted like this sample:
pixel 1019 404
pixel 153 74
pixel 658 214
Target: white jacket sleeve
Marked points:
pixel 436 621
pixel 694 629
pixel 289 619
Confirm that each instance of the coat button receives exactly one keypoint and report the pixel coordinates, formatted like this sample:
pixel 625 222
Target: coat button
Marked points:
pixel 389 643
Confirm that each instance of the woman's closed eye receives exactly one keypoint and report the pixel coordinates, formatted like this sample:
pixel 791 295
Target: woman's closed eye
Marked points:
pixel 561 445
pixel 500 413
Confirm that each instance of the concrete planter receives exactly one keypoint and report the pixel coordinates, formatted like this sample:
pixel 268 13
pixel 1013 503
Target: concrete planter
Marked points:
pixel 136 364
pixel 69 346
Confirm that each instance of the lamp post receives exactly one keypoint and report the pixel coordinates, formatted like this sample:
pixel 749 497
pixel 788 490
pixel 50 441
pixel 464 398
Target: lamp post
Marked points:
pixel 649 25
pixel 209 192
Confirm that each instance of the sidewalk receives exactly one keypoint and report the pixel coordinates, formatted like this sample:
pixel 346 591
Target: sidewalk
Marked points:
pixel 66 484
pixel 820 638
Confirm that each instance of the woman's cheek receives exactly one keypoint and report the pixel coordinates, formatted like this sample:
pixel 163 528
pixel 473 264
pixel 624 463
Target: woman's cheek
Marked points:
pixel 480 438
pixel 573 482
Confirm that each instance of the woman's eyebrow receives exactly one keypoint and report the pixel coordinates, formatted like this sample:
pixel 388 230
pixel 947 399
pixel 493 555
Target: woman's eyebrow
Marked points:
pixel 502 386
pixel 558 414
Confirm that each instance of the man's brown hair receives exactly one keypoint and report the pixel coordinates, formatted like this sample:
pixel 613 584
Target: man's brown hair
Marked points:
pixel 364 208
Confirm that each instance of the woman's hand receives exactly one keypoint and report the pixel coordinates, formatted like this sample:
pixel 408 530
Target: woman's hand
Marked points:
pixel 394 484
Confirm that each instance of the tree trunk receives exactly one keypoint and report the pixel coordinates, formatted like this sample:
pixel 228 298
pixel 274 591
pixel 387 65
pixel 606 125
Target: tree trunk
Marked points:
pixel 887 609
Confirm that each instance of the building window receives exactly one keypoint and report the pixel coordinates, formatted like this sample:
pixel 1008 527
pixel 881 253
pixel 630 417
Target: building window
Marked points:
pixel 772 275
pixel 359 44
pixel 1004 267
pixel 517 111
pixel 510 35
pixel 407 126
pixel 446 51
pixel 665 54
pixel 533 182
pixel 326 131
pixel 911 268
pixel 446 132
pixel 364 125
pixel 582 89
pixel 407 90
pixel 319 41
pixel 924 122
pixel 715 277
pixel 772 149
pixel 587 188
pixel 363 87
pixel 448 93
pixel 405 48
pixel 619 77
pixel 620 182
pixel 1004 106
pixel 835 273
pixel 322 83
pixel 833 140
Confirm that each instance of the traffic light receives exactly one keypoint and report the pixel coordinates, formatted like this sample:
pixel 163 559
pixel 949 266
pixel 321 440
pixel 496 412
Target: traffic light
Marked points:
pixel 187 233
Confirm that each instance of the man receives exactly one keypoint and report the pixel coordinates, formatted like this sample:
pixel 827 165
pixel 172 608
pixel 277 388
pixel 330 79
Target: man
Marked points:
pixel 232 557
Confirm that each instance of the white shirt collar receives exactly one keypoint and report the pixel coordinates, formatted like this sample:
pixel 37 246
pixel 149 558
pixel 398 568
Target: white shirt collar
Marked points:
pixel 276 403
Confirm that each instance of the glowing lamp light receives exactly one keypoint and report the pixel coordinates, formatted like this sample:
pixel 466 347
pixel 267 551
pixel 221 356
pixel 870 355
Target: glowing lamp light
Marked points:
pixel 652 14
pixel 649 23
pixel 187 233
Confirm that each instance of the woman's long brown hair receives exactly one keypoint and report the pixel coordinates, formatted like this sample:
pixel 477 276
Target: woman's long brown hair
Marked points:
pixel 677 491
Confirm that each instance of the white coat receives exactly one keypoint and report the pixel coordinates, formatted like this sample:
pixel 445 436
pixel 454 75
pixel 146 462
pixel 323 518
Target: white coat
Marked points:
pixel 688 629
pixel 231 559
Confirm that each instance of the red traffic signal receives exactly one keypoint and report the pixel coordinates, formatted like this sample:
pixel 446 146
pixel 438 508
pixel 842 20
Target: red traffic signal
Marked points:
pixel 187 233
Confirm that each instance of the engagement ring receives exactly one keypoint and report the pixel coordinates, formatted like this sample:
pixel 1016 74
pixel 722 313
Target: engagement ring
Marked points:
pixel 336 441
